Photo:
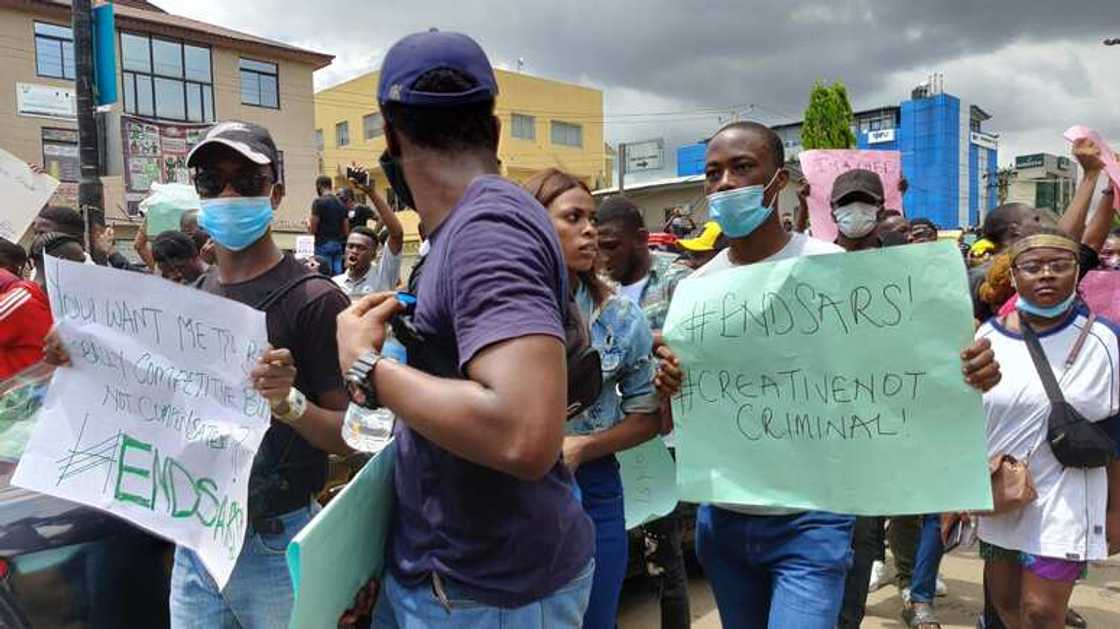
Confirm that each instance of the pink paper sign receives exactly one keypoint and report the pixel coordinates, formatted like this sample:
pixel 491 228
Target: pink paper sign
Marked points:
pixel 1101 291
pixel 1111 166
pixel 822 167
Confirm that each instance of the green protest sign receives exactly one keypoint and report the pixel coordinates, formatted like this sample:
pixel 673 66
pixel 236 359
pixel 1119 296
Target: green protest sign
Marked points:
pixel 830 382
pixel 344 546
pixel 649 485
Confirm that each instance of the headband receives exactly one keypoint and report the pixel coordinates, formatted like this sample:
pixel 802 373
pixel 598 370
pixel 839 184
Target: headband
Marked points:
pixel 1037 241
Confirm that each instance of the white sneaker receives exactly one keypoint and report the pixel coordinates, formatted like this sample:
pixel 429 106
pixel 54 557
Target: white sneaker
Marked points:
pixel 878 571
pixel 940 588
pixel 905 594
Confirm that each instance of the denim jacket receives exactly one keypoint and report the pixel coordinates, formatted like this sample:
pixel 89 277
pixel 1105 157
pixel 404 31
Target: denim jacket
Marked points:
pixel 621 334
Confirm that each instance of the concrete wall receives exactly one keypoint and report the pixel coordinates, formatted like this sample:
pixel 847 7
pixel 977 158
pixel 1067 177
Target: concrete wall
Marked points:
pixel 544 99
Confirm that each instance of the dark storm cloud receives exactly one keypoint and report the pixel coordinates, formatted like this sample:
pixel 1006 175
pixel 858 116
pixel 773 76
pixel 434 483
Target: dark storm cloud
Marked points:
pixel 696 55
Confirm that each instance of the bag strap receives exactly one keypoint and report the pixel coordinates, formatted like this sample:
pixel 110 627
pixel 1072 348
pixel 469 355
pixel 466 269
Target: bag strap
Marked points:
pixel 1041 364
pixel 1076 349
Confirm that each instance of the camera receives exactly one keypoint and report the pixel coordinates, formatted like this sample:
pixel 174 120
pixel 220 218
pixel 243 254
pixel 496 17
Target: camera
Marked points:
pixel 359 175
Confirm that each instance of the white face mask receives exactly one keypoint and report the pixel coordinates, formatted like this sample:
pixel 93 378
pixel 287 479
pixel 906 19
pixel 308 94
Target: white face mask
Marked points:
pixel 856 220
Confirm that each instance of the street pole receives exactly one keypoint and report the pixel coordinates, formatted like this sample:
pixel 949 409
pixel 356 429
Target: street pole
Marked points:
pixel 90 193
pixel 621 168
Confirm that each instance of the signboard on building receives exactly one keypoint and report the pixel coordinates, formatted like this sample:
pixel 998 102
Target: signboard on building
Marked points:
pixel 880 137
pixel 46 101
pixel 1030 161
pixel 984 140
pixel 647 155
pixel 155 152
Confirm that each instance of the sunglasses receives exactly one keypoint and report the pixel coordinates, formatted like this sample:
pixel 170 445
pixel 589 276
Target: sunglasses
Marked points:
pixel 246 182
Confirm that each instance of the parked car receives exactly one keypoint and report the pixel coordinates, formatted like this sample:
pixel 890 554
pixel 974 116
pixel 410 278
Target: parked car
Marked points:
pixel 63 564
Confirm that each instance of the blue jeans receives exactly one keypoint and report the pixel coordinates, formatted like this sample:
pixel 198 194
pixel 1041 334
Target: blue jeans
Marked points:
pixel 600 487
pixel 927 560
pixel 418 607
pixel 332 251
pixel 259 592
pixel 775 571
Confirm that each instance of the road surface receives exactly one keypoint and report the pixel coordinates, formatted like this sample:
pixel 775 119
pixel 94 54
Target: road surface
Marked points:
pixel 1098 599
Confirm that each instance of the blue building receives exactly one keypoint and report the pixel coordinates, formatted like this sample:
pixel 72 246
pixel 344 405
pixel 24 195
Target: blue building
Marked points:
pixel 948 160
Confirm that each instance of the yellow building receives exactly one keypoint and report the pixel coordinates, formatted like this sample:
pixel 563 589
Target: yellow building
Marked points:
pixel 171 69
pixel 544 123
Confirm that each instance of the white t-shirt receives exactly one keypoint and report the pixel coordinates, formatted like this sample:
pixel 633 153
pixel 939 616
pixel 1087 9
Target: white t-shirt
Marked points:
pixel 634 291
pixel 380 277
pixel 1067 520
pixel 798 245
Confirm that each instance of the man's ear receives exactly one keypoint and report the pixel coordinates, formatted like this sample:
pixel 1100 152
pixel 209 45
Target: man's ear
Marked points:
pixel 277 195
pixel 391 143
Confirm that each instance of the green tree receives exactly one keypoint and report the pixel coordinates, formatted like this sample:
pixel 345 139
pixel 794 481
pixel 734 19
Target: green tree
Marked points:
pixel 828 118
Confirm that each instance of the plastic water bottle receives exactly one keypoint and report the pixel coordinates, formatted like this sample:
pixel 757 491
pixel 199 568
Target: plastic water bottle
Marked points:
pixel 370 429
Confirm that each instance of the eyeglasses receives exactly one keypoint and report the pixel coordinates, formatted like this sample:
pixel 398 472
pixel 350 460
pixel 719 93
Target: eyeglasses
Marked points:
pixel 1060 266
pixel 247 183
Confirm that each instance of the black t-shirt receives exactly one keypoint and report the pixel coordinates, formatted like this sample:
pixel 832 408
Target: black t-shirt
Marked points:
pixel 302 321
pixel 331 214
pixel 359 215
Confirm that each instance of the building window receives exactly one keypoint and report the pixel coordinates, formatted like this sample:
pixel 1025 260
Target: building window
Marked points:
pixel 260 84
pixel 371 126
pixel 342 133
pixel 54 51
pixel 318 139
pixel 876 125
pixel 566 134
pixel 166 79
pixel 524 127
pixel 60 154
pixel 974 125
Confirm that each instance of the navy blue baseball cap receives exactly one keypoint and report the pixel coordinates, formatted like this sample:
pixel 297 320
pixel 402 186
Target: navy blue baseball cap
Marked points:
pixel 419 53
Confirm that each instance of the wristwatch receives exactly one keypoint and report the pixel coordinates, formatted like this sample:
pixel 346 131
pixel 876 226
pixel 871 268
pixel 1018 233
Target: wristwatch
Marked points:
pixel 297 406
pixel 359 379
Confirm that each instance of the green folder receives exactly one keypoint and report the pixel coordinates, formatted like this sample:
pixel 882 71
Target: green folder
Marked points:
pixel 340 550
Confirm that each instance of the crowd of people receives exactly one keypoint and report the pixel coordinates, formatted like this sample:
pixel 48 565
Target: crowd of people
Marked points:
pixel 509 504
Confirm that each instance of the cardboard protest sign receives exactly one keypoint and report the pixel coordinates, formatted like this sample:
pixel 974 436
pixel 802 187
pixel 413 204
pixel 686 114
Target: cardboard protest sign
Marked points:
pixel 649 482
pixel 340 550
pixel 830 382
pixel 156 421
pixel 305 246
pixel 822 167
pixel 24 194
pixel 1111 165
pixel 1101 292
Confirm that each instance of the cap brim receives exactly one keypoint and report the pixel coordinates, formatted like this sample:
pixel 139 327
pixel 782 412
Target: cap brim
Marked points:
pixel 239 147
pixel 695 244
pixel 863 193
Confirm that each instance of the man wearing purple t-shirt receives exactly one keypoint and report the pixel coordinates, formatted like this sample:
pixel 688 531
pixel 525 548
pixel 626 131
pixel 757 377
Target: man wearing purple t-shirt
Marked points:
pixel 486 530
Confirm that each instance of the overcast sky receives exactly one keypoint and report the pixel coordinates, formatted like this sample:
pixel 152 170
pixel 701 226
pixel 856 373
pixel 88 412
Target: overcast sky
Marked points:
pixel 669 69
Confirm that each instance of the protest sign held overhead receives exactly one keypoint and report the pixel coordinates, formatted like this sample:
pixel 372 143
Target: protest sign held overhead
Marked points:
pixel 24 193
pixel 830 382
pixel 1111 164
pixel 156 421
pixel 822 167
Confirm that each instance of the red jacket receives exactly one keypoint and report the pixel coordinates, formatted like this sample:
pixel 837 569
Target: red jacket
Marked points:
pixel 25 319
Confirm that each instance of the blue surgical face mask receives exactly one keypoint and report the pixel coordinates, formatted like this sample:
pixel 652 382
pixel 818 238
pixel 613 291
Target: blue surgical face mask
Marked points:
pixel 1053 312
pixel 236 222
pixel 739 212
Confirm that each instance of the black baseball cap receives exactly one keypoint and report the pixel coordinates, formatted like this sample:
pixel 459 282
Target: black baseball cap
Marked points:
pixel 419 53
pixel 857 181
pixel 252 141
